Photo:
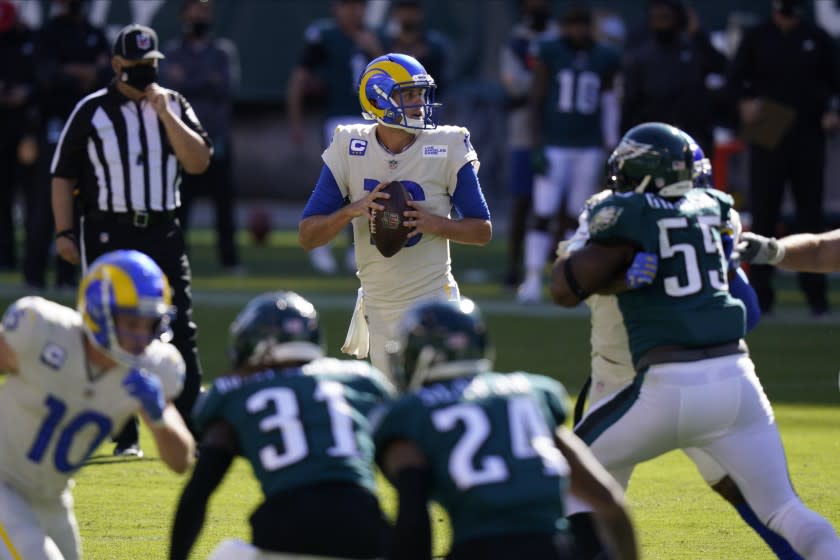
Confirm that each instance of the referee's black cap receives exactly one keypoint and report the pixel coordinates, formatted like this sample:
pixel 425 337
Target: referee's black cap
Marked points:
pixel 137 42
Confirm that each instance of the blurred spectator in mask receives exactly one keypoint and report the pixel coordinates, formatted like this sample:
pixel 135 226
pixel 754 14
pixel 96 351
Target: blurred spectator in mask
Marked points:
pixel 674 75
pixel 205 69
pixel 335 53
pixel 785 78
pixel 18 148
pixel 535 24
pixel 406 33
pixel 72 59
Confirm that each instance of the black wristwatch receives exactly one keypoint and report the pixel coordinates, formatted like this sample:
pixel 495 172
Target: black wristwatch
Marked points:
pixel 68 233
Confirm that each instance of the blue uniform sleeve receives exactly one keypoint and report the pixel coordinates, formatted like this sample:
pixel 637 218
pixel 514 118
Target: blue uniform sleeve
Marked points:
pixel 740 288
pixel 326 198
pixel 468 198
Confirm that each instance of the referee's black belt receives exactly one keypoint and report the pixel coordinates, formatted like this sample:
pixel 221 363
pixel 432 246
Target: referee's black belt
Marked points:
pixel 675 354
pixel 138 219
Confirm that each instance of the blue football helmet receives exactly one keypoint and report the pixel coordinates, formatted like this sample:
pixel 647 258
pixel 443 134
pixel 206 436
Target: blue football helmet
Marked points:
pixel 439 340
pixel 124 282
pixel 274 328
pixel 702 169
pixel 382 87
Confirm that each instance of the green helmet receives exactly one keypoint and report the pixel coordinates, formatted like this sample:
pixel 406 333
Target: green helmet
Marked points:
pixel 439 340
pixel 652 157
pixel 274 328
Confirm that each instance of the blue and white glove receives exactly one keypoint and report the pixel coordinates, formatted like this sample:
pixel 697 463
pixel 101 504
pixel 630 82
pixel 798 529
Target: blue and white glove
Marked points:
pixel 642 270
pixel 147 389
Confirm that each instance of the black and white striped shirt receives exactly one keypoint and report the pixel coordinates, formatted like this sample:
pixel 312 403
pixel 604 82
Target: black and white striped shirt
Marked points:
pixel 120 154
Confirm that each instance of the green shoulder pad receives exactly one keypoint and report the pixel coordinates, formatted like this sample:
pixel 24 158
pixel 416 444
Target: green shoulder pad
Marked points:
pixel 616 218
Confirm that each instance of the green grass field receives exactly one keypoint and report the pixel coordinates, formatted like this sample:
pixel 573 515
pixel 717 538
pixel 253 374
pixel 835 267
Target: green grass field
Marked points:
pixel 124 508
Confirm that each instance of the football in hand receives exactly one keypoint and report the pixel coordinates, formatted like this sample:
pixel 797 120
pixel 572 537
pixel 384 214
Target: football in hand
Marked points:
pixel 386 226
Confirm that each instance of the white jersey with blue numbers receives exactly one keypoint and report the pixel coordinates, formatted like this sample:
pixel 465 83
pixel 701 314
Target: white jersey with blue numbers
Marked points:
pixel 429 170
pixel 56 410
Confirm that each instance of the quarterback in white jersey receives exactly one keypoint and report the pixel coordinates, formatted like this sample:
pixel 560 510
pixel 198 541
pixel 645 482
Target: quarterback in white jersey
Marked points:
pixel 70 387
pixel 437 165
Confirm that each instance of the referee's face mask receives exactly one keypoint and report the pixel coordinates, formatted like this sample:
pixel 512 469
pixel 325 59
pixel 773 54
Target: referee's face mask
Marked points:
pixel 137 74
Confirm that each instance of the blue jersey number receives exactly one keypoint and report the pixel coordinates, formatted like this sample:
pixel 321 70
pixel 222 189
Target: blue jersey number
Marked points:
pixel 416 192
pixel 56 411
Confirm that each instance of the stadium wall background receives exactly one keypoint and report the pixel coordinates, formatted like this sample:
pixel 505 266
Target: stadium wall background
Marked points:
pixel 268 34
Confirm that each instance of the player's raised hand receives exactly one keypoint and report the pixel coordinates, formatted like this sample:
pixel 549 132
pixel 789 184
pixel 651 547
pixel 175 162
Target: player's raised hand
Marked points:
pixel 642 270
pixel 421 221
pixel 147 389
pixel 363 206
pixel 757 249
pixel 157 98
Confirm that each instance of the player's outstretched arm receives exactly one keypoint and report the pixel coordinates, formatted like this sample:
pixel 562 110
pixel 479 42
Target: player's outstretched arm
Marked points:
pixel 591 483
pixel 8 357
pixel 217 453
pixel 804 252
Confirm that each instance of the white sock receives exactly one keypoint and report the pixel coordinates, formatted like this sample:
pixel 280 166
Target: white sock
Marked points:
pixel 537 244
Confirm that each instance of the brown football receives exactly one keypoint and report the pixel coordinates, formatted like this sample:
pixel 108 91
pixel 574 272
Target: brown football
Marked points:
pixel 386 226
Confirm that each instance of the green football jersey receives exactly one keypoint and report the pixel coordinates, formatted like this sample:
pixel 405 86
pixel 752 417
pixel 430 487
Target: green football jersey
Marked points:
pixel 688 303
pixel 481 435
pixel 301 426
pixel 575 80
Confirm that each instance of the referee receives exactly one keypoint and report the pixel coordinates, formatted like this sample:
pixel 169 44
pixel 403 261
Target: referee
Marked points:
pixel 121 153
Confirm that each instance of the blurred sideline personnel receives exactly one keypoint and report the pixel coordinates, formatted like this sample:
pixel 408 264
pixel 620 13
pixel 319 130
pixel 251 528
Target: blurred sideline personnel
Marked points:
pixel 516 76
pixel 695 385
pixel 300 420
pixel 806 252
pixel 439 168
pixel 675 75
pixel 574 112
pixel 74 378
pixel 491 448
pixel 612 366
pixel 406 33
pixel 205 70
pixel 334 56
pixel 18 148
pixel 121 154
pixel 790 64
pixel 71 61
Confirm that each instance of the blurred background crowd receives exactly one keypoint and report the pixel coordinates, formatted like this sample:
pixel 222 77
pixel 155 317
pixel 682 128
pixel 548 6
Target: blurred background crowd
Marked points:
pixel 269 79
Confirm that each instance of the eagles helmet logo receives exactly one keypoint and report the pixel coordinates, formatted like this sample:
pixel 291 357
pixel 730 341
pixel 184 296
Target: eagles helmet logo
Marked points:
pixel 604 218
pixel 630 149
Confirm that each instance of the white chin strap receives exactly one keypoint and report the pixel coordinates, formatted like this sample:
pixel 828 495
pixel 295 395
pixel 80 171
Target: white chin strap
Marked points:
pixel 285 352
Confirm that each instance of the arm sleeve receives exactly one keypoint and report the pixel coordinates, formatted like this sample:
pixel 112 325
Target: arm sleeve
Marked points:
pixel 468 199
pixel 213 463
pixel 326 198
pixel 739 73
pixel 412 538
pixel 70 153
pixel 739 287
pixel 191 120
pixel 314 52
